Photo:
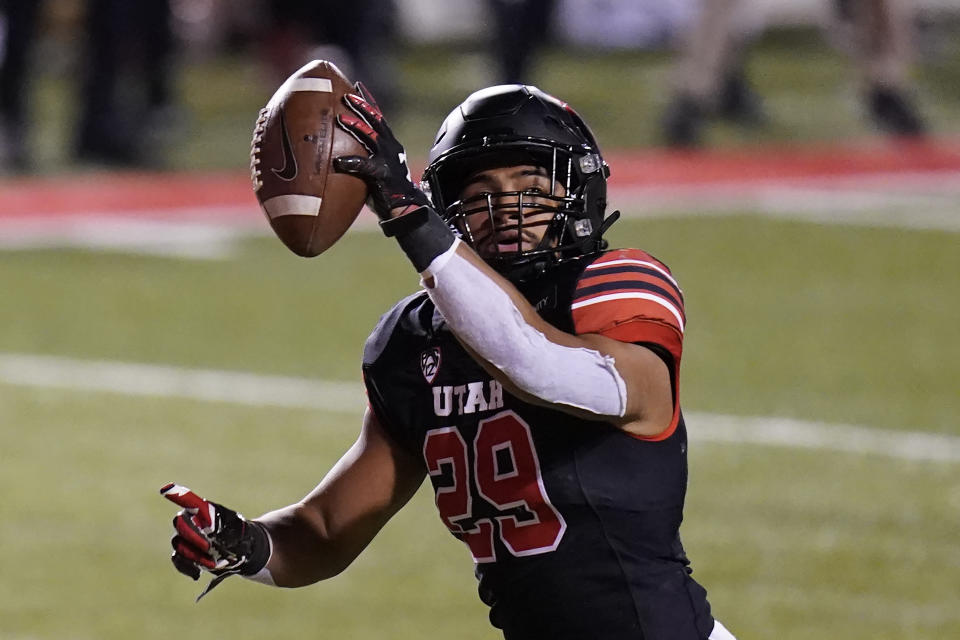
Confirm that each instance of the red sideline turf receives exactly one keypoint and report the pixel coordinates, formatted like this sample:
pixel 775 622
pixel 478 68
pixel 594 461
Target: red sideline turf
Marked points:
pixel 228 195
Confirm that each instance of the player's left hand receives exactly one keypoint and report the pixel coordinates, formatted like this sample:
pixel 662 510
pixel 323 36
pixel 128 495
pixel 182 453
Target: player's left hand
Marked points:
pixel 214 538
pixel 385 172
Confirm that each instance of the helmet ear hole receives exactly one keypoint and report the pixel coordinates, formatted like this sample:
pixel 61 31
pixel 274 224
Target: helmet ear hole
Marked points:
pixel 583 228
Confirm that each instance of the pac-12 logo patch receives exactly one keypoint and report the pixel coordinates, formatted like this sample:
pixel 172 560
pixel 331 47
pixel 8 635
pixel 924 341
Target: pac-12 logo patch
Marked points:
pixel 430 363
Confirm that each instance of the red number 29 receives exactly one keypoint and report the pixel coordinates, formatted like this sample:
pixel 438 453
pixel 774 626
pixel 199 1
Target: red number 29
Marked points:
pixel 506 471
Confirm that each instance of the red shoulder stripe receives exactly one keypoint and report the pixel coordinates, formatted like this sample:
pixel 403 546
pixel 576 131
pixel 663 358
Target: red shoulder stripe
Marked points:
pixel 628 304
pixel 607 275
pixel 631 257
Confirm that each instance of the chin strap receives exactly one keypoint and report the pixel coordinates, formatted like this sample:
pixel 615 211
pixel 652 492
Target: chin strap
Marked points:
pixel 597 235
pixel 607 223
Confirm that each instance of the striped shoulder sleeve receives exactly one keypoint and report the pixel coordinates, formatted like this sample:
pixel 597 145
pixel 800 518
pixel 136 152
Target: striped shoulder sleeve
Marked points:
pixel 630 296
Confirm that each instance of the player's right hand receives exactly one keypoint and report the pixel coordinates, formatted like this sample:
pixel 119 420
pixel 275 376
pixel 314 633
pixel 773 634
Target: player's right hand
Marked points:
pixel 214 538
pixel 385 171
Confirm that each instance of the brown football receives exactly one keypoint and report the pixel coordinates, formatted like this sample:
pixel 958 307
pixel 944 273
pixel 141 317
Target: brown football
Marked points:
pixel 296 137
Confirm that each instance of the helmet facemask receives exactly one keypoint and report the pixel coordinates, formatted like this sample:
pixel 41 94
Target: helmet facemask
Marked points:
pixel 516 229
pixel 508 225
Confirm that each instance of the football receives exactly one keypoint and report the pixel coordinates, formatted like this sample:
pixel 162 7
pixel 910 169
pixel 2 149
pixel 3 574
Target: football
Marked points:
pixel 295 139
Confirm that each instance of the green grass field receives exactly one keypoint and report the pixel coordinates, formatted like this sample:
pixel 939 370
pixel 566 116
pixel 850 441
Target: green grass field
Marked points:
pixel 786 319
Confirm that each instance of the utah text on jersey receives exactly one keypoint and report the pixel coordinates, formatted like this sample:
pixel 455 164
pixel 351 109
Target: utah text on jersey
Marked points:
pixel 472 397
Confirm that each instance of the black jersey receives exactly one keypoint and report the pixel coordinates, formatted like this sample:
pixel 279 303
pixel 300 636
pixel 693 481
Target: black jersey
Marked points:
pixel 572 524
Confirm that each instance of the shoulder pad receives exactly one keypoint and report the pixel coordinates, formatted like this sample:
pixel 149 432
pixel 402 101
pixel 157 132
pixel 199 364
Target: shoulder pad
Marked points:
pixel 631 296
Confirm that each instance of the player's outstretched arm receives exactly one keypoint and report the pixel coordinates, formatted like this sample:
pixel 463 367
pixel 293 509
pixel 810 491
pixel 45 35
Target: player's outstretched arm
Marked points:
pixel 305 542
pixel 321 535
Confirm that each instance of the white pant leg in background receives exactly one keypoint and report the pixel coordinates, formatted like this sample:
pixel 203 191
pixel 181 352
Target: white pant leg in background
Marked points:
pixel 720 632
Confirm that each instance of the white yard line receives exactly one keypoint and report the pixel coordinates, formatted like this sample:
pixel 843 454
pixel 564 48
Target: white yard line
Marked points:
pixel 164 238
pixel 174 382
pixel 803 434
pixel 345 397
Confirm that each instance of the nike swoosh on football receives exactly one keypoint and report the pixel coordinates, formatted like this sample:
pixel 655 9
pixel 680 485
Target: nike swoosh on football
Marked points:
pixel 289 169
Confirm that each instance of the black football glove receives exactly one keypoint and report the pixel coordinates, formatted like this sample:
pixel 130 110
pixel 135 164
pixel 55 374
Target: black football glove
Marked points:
pixel 385 172
pixel 214 538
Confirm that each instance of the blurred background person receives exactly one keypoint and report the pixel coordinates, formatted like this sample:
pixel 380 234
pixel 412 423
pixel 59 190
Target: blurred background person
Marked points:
pixel 521 28
pixel 358 36
pixel 126 69
pixel 18 21
pixel 711 81
pixel 882 33
pixel 127 90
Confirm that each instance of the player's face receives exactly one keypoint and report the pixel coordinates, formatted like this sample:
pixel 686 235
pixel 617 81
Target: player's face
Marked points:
pixel 495 229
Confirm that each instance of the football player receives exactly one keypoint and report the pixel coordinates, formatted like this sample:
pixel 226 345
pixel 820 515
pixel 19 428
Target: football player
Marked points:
pixel 534 380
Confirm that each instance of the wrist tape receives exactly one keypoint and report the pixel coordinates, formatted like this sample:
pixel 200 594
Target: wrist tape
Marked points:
pixel 483 316
pixel 421 234
pixel 256 566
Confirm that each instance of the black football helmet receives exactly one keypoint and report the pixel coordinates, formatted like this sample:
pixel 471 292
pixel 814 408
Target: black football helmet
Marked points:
pixel 512 125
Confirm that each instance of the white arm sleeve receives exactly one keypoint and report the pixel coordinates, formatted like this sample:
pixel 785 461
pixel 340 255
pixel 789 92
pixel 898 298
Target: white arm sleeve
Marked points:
pixel 484 317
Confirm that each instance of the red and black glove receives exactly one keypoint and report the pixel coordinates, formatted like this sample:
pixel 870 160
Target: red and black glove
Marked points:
pixel 419 230
pixel 386 173
pixel 212 537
